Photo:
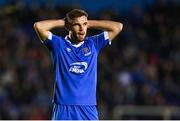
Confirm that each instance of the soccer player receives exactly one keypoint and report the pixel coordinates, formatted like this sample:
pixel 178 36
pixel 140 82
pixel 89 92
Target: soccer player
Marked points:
pixel 74 61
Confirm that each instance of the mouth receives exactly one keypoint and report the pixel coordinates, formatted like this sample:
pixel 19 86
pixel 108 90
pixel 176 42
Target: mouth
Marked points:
pixel 82 34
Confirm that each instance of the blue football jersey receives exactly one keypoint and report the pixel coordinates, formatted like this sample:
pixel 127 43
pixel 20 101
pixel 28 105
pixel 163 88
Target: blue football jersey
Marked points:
pixel 75 68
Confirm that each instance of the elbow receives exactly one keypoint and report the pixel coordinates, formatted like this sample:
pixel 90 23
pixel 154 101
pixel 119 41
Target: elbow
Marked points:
pixel 119 29
pixel 36 26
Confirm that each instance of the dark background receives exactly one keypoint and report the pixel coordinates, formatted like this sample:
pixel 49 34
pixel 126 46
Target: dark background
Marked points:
pixel 141 68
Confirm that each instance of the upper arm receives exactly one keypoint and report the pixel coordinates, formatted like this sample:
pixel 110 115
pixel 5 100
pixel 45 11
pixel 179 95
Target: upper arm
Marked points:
pixel 53 42
pixel 42 34
pixel 101 40
pixel 115 31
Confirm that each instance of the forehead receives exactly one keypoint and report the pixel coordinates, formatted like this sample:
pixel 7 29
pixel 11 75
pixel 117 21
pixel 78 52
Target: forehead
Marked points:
pixel 81 19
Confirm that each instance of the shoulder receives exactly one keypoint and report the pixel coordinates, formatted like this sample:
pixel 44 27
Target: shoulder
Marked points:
pixel 57 39
pixel 89 39
pixel 103 34
pixel 54 40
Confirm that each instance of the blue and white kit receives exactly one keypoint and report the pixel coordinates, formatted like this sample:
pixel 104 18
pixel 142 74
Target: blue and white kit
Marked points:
pixel 75 68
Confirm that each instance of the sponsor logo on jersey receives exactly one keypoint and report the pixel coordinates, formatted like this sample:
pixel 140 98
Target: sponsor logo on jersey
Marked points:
pixel 78 67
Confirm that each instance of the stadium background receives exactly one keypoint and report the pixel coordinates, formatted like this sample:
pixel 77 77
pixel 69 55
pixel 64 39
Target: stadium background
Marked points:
pixel 141 69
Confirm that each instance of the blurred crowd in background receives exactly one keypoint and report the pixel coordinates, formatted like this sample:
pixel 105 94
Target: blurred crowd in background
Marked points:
pixel 141 67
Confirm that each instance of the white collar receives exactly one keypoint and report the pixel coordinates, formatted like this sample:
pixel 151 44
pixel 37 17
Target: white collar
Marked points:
pixel 75 45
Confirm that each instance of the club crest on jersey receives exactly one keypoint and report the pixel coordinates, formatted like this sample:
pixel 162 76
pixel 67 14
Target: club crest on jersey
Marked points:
pixel 78 67
pixel 86 51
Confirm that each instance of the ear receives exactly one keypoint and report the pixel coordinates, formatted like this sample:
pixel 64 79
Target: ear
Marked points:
pixel 67 24
pixel 68 27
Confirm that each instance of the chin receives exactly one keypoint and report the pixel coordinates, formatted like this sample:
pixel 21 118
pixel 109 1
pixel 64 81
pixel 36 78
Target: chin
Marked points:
pixel 80 40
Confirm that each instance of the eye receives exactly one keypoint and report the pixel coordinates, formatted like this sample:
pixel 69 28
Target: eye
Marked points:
pixel 85 24
pixel 75 24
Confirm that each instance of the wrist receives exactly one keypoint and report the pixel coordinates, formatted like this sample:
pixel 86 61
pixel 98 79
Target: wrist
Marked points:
pixel 92 23
pixel 61 22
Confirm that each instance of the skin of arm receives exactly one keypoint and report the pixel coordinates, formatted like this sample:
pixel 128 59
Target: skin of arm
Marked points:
pixel 113 28
pixel 42 28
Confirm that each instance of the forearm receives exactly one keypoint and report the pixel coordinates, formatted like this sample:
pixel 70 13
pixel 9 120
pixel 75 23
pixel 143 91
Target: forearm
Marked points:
pixel 112 27
pixel 104 25
pixel 42 28
pixel 47 25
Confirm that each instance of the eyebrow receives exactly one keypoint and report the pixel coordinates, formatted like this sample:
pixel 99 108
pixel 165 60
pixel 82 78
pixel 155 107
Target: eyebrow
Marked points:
pixel 79 23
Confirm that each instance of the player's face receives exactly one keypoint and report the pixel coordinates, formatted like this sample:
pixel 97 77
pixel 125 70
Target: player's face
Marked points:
pixel 79 28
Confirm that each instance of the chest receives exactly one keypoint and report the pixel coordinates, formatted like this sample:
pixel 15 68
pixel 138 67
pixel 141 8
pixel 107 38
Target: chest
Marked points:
pixel 83 53
pixel 77 60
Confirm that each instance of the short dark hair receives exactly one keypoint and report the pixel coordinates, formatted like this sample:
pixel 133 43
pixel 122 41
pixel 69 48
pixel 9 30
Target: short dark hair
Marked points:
pixel 75 13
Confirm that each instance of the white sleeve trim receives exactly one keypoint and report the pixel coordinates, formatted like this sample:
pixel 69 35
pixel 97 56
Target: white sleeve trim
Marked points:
pixel 106 36
pixel 50 36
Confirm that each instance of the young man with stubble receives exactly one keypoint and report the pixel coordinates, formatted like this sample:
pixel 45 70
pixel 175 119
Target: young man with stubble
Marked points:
pixel 74 60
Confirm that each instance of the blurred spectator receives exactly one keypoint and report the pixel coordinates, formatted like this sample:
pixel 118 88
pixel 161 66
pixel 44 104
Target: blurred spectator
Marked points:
pixel 141 68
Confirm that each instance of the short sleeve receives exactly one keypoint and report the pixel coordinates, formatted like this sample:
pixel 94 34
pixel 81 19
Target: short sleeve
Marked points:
pixel 52 42
pixel 101 40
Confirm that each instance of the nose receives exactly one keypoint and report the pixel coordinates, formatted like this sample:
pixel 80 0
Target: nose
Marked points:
pixel 81 28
